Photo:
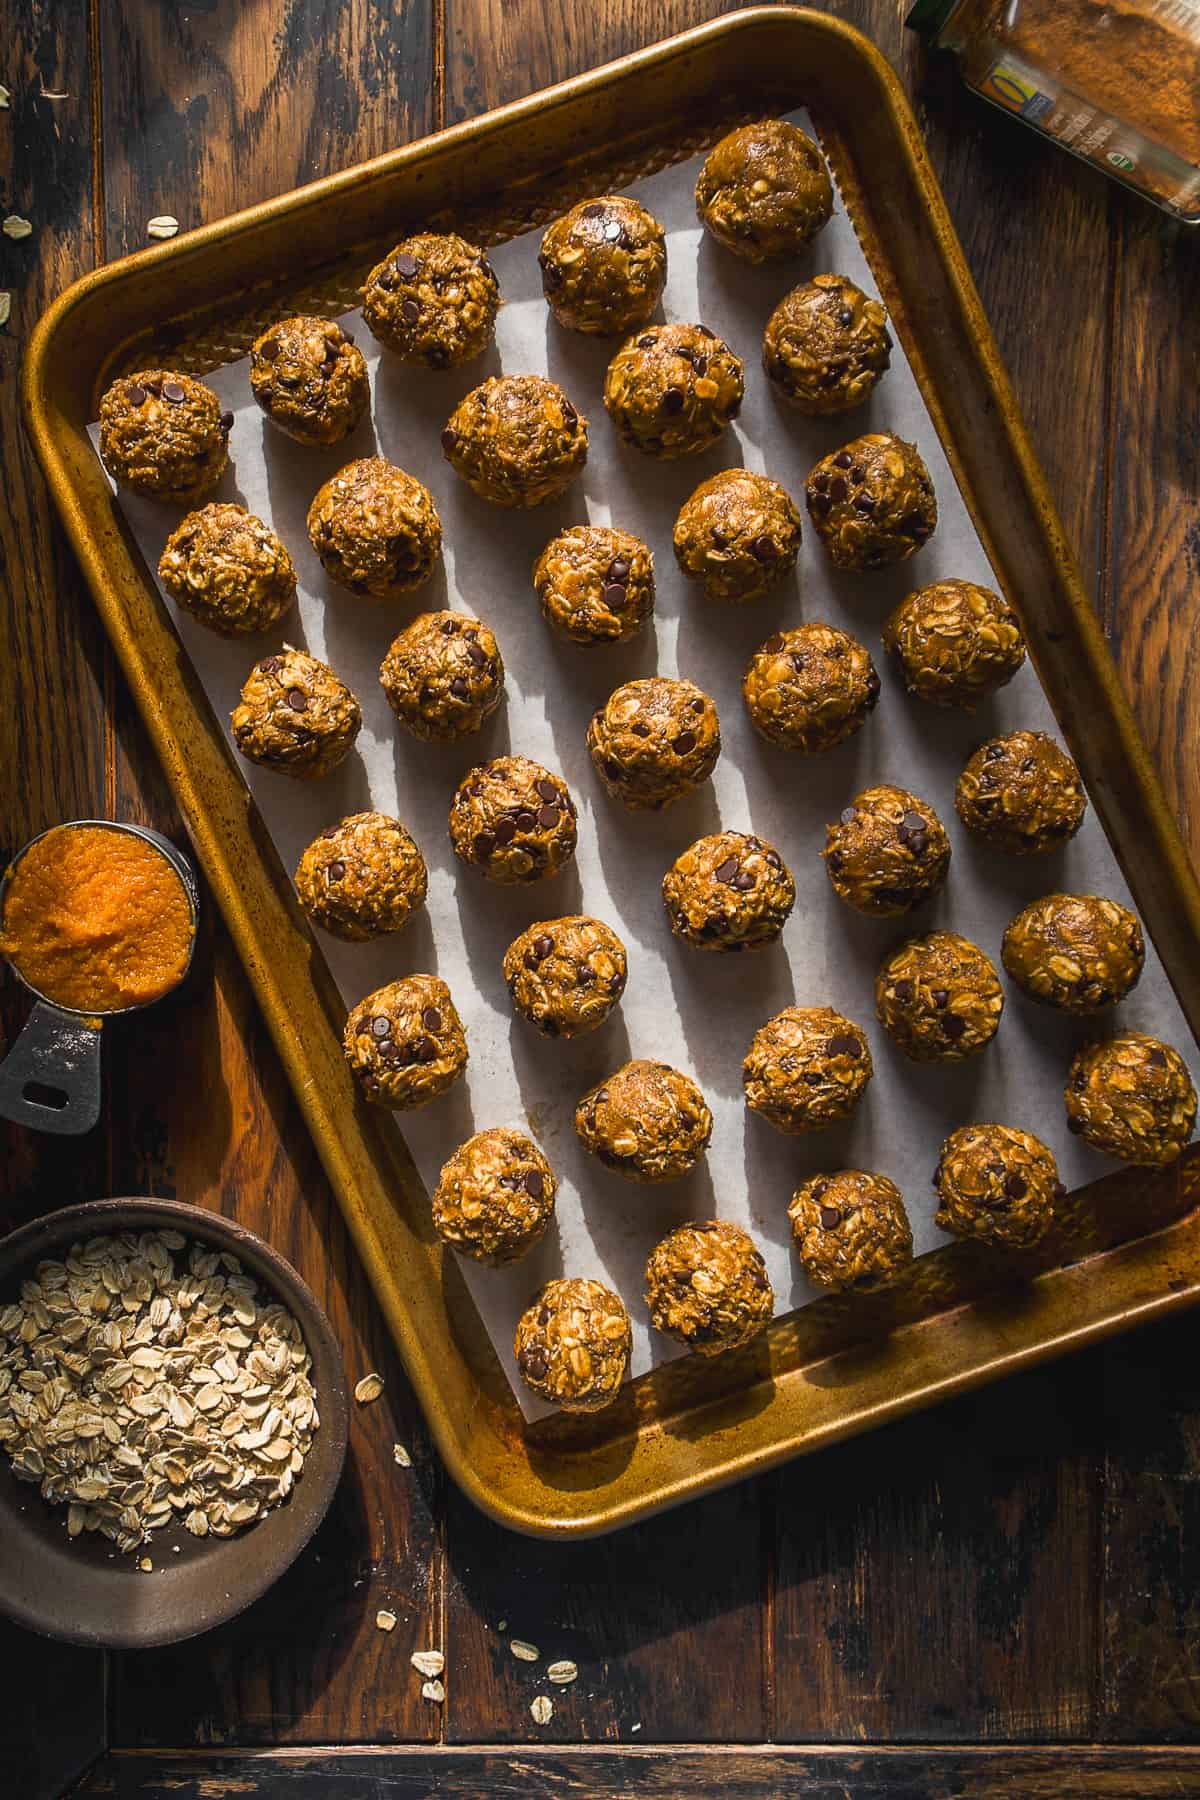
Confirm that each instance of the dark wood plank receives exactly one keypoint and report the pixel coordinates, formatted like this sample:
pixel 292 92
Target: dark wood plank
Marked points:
pixel 664 1622
pixel 52 674
pixel 677 1774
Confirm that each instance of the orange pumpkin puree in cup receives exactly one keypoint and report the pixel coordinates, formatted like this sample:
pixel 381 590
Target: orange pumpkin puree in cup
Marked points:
pixel 96 920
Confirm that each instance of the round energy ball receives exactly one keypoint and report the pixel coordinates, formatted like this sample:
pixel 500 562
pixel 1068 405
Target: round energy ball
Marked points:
pixel 887 853
pixel 228 570
pixel 851 1231
pixel 513 820
pixel 1132 1097
pixel 806 1068
pixel 362 878
pixel 1074 951
pixel 646 1121
pixel 443 676
pixel 728 892
pixel 433 300
pixel 939 998
pixel 405 1042
pixel 738 535
pixel 573 1345
pixel 494 1197
pixel 604 265
pixel 309 379
pixel 1021 793
pixel 566 975
pixel 810 688
pixel 672 389
pixel 375 529
pixel 164 435
pixel 295 716
pixel 707 1285
pixel 955 643
pixel 826 346
pixel 872 502
pixel 996 1184
pixel 596 585
pixel 516 440
pixel 764 191
pixel 653 741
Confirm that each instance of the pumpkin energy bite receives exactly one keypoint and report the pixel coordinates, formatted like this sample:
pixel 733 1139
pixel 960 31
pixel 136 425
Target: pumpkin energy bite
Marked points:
pixel 1021 793
pixel 433 300
pixel 443 676
pixel 516 440
pixel 939 998
pixel 707 1286
pixel 164 435
pixel 671 390
pixel 738 535
pixel 573 1345
pixel 996 1184
pixel 1074 951
pixel 362 878
pixel 604 265
pixel 494 1197
pixel 764 191
pixel 513 820
pixel 806 1068
pixel 851 1231
pixel 872 502
pixel 810 688
pixel 826 346
pixel 647 1121
pixel 309 379
pixel 887 852
pixel 405 1042
pixel 228 570
pixel 1132 1097
pixel 375 529
pixel 295 716
pixel 653 741
pixel 955 643
pixel 728 892
pixel 596 584
pixel 566 975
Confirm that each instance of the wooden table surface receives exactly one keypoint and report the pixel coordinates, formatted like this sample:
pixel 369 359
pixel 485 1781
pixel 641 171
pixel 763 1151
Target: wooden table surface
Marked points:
pixel 999 1597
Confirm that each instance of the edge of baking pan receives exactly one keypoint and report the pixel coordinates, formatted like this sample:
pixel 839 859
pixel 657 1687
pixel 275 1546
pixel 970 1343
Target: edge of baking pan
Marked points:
pixel 659 1457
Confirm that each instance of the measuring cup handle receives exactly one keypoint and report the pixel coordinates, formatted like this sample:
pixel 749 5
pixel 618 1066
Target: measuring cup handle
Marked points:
pixel 50 1079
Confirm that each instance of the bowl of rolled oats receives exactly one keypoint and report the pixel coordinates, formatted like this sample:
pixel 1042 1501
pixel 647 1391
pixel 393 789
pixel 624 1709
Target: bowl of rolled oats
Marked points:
pixel 173 1421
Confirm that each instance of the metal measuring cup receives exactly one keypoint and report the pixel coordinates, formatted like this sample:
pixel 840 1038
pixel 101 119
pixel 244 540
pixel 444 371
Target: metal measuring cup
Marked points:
pixel 50 1079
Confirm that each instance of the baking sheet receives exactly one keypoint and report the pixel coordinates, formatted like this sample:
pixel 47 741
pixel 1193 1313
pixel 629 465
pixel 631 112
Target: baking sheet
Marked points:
pixel 694 1010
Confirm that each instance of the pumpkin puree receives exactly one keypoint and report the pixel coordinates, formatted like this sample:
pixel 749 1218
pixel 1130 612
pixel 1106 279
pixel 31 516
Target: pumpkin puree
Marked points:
pixel 96 920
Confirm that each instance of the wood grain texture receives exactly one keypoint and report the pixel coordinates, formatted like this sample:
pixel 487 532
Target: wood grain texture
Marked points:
pixel 679 1774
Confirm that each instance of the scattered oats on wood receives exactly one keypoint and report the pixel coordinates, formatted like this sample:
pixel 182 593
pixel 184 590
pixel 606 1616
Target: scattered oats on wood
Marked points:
pixel 385 1619
pixel 164 226
pixel 541 1709
pixel 15 226
pixel 5 306
pixel 428 1662
pixel 103 1359
pixel 503 1625
pixel 401 1457
pixel 562 1672
pixel 433 1690
pixel 522 1651
pixel 5 98
pixel 368 1389
pixel 145 1565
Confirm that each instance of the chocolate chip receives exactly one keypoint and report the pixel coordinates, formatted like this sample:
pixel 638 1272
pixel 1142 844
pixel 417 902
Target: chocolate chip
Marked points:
pixel 411 311
pixel 483 843
pixel 916 526
pixel 618 569
pixel 594 209
pixel 903 991
pixel 683 743
pixel 838 488
pixel 548 817
pixel 297 699
pixel 772 859
pixel 616 596
pixel 505 831
pixel 599 1097
pixel 940 998
pixel 773 644
pixel 842 460
pixel 431 1019
pixel 172 391
pixel 542 946
pixel 612 769
pixel 423 1050
pixel 449 439
pixel 819 504
pixel 335 871
pixel 728 869
pixel 830 1218
pixel 953 1026
pixel 547 789
pixel 845 1045
pixel 743 881
pixel 270 350
pixel 1156 1059
pixel 552 276
pixel 640 730
pixel 715 925
pixel 864 503
pixel 477 654
pixel 460 687
pixel 848 815
pixel 135 395
pixel 270 665
pixel 226 421
pixel 525 820
pixel 764 549
pixel 647 343
pixel 1075 1125
pixel 381 1027
pixel 1016 1187
pixel 993 751
pixel 405 266
pixel 672 401
pixel 569 413
pixel 534 1364
pixel 449 627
